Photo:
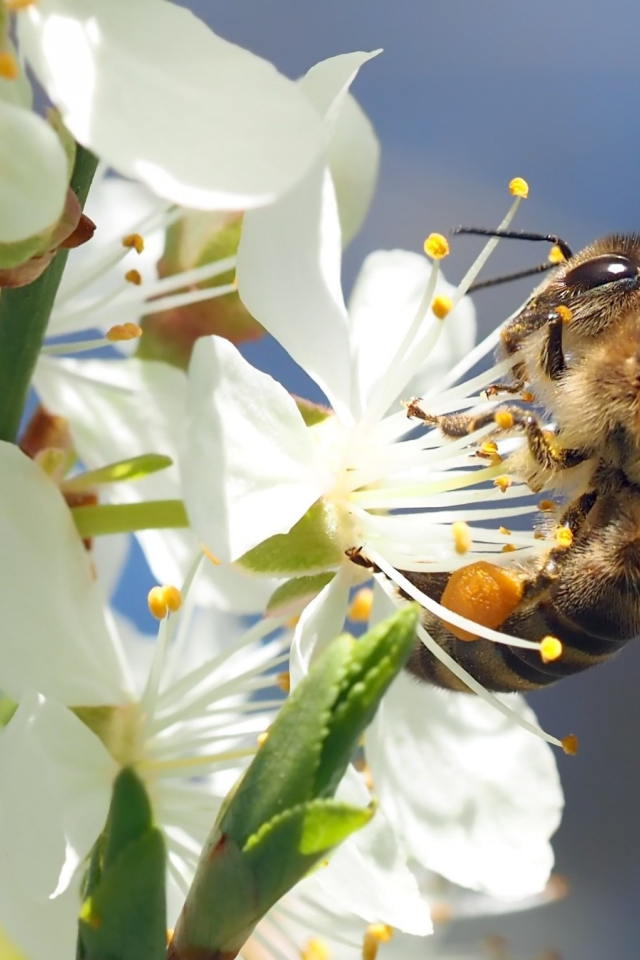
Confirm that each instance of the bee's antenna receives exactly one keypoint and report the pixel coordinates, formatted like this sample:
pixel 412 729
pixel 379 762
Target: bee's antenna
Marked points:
pixel 511 276
pixel 564 248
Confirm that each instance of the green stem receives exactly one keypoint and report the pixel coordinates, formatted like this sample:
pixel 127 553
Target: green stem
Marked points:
pixel 24 315
pixel 98 520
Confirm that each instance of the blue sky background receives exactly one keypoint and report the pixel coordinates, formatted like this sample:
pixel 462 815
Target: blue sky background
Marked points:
pixel 467 94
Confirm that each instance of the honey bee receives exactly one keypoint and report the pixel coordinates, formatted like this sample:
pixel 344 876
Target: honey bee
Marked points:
pixel 577 339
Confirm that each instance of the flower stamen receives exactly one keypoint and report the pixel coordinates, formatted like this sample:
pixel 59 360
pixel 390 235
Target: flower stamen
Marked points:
pixel 376 934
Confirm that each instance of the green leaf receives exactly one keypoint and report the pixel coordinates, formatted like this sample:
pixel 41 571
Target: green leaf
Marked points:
pixel 377 658
pixel 284 771
pixel 291 597
pixel 134 468
pixel 123 914
pixel 311 546
pixel 125 917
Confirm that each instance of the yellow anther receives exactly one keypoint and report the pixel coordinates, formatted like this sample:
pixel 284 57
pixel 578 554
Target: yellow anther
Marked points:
pixel 262 737
pixel 564 313
pixel 157 603
pixel 442 305
pixel 556 255
pixel 503 483
pixel 539 535
pixel 172 598
pixel 235 281
pixel 315 949
pixel 550 649
pixel 134 277
pixel 461 536
pixel 376 934
pixel 570 744
pixel 284 681
pixel 123 331
pixel 527 397
pixel 441 912
pixel 563 537
pixel 504 530
pixel 489 447
pixel 519 188
pixel 436 246
pixel 503 419
pixel 9 67
pixel 360 609
pixel 293 621
pixel 210 556
pixel 547 506
pixel 135 241
pixel 508 548
pixel 12 5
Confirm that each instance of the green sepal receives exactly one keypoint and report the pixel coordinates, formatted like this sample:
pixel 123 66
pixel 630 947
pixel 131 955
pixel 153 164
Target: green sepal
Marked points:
pixel 134 468
pixel 311 546
pixel 123 913
pixel 291 597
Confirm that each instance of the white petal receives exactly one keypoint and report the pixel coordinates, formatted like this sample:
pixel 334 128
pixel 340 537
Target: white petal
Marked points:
pixel 249 464
pixel 123 408
pixel 117 207
pixel 42 931
pixel 161 98
pixel 33 174
pixel 475 796
pixel 290 254
pixel 354 159
pixel 382 306
pixel 54 794
pixel 368 874
pixel 54 636
pixel 321 621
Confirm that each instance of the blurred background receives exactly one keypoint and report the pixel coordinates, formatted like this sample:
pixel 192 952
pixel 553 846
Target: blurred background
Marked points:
pixel 467 95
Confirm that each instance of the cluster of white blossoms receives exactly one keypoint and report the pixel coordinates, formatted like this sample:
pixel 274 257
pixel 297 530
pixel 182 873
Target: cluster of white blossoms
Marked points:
pixel 465 791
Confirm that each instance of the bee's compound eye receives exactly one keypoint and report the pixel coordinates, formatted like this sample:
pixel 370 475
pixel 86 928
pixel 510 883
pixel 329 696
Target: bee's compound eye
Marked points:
pixel 607 268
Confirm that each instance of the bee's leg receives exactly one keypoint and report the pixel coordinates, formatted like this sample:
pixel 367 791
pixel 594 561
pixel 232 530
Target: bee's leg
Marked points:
pixel 552 354
pixel 495 388
pixel 542 443
pixel 572 519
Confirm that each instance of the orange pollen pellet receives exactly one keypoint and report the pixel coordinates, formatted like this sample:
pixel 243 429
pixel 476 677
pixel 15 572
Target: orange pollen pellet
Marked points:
pixel 284 681
pixel 134 241
pixel 508 548
pixel 527 397
pixel 123 331
pixel 503 483
pixel 519 187
pixel 315 949
pixel 547 506
pixel 481 592
pixel 376 934
pixel 9 67
pixel 563 536
pixel 570 744
pixel 555 254
pixel 441 306
pixel 550 649
pixel 134 277
pixel 436 246
pixel 360 609
pixel 564 313
pixel 503 419
pixel 461 536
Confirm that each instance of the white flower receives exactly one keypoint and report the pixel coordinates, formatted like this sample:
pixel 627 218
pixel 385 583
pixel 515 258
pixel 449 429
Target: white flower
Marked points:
pixel 353 469
pixel 80 717
pixel 161 98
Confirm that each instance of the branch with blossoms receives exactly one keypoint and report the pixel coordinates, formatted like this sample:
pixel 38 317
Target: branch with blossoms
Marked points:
pixel 249 777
